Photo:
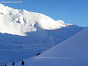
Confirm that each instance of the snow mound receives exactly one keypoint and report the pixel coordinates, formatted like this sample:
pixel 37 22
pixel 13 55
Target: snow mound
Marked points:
pixel 19 22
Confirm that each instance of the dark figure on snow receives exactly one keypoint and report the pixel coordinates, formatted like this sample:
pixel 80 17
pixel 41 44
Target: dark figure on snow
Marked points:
pixel 38 54
pixel 22 63
pixel 13 63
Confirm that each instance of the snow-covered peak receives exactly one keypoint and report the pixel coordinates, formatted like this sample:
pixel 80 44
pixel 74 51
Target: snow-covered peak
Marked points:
pixel 4 9
pixel 18 22
pixel 1 5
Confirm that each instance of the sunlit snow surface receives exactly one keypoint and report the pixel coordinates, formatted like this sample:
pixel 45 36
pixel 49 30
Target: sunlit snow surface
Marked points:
pixel 18 22
pixel 23 33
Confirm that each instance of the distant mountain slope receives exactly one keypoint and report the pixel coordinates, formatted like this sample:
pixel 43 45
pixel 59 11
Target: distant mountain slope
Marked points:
pixel 18 22
pixel 23 33
pixel 71 52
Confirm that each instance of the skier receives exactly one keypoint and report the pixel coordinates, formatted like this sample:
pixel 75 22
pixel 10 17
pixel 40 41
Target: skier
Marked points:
pixel 5 64
pixel 22 63
pixel 13 63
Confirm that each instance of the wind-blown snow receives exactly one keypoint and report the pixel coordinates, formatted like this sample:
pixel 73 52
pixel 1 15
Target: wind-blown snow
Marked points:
pixel 71 52
pixel 18 22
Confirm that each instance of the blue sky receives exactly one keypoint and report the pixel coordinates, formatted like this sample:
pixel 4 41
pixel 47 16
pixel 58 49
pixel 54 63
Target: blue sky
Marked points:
pixel 70 11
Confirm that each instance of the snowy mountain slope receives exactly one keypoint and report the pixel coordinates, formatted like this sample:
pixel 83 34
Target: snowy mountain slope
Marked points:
pixel 71 52
pixel 26 33
pixel 19 22
pixel 22 47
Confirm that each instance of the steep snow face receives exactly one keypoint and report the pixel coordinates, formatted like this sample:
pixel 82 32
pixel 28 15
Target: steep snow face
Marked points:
pixel 18 22
pixel 74 47
pixel 72 51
